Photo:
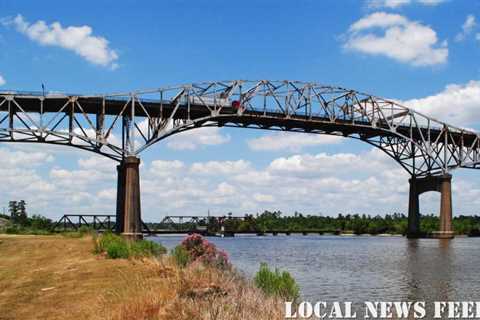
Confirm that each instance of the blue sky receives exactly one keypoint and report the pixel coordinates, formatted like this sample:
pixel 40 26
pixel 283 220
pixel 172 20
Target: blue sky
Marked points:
pixel 423 52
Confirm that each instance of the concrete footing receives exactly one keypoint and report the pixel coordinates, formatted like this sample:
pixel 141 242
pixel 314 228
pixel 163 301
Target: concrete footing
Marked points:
pixel 128 199
pixel 442 184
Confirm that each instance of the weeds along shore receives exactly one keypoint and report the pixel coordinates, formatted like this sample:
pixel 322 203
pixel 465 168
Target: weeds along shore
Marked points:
pixel 74 276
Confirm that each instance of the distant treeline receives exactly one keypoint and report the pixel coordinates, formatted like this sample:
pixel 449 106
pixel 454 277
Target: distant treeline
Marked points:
pixel 351 223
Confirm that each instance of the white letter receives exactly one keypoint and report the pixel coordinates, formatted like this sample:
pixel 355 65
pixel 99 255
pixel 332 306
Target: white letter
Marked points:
pixel 348 311
pixel 305 309
pixel 439 309
pixel 371 310
pixel 402 309
pixel 419 311
pixel 317 310
pixel 336 311
pixel 385 310
pixel 453 309
pixel 288 310
pixel 467 309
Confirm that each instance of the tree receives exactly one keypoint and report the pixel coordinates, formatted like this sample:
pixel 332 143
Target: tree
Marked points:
pixel 22 212
pixel 13 209
pixel 18 212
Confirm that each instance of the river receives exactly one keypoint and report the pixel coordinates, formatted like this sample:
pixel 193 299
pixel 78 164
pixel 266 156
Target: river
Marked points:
pixel 358 268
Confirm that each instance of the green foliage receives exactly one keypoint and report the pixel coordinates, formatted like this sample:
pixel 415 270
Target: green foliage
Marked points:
pixel 351 223
pixel 143 248
pixel 181 256
pixel 277 283
pixel 117 250
pixel 116 247
pixel 40 222
pixel 36 225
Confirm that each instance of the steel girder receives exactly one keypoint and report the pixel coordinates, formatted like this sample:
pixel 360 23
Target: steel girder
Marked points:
pixel 123 124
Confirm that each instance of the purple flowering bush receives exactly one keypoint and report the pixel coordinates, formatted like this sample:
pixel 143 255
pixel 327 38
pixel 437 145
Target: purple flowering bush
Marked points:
pixel 196 249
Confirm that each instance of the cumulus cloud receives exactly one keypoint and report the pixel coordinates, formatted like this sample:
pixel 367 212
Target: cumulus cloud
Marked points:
pixel 457 104
pixel 2 80
pixel 431 2
pixel 392 4
pixel 79 39
pixel 220 167
pixel 290 141
pixel 166 168
pixel 395 4
pixel 192 139
pixel 467 28
pixel 398 38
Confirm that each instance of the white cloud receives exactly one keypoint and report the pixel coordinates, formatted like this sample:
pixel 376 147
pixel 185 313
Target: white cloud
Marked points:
pixel 400 39
pixel 431 2
pixel 395 4
pixel 467 28
pixel 108 194
pixel 392 4
pixel 291 141
pixel 220 167
pixel 78 39
pixel 2 80
pixel 19 159
pixel 192 139
pixel 166 168
pixel 225 189
pixel 457 104
pixel 97 162
pixel 259 197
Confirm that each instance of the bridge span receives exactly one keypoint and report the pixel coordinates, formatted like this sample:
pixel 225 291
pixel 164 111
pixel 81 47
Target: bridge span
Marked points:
pixel 122 125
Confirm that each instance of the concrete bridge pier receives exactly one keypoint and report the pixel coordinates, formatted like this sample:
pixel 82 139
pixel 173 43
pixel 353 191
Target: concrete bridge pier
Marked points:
pixel 442 184
pixel 128 199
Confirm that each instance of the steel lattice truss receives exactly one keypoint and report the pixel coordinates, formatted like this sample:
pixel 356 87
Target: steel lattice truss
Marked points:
pixel 119 125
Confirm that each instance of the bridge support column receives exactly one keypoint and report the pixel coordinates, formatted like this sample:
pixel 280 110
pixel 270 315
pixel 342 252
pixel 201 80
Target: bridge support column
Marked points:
pixel 442 184
pixel 413 210
pixel 446 228
pixel 128 199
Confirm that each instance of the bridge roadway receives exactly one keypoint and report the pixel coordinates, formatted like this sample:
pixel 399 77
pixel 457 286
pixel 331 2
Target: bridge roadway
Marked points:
pixel 262 119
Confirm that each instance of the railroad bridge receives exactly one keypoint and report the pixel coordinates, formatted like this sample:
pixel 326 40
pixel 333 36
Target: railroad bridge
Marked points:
pixel 122 125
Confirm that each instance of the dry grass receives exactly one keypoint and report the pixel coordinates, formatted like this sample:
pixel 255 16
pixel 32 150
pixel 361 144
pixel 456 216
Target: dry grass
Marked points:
pixel 59 278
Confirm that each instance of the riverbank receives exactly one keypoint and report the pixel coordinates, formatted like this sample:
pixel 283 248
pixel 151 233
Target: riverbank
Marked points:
pixel 54 277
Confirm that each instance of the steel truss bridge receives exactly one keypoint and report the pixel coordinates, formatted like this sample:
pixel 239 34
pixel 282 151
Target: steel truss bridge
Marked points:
pixel 121 126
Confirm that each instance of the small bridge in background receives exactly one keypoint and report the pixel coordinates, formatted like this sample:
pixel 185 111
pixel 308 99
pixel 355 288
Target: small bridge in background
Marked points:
pixel 224 226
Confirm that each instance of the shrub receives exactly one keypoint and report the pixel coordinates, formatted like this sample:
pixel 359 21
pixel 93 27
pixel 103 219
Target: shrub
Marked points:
pixel 117 247
pixel 117 250
pixel 197 249
pixel 12 229
pixel 40 222
pixel 277 283
pixel 144 248
pixel 180 255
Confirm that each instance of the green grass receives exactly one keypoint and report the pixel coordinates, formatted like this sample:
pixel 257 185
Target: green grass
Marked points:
pixel 180 256
pixel 14 229
pixel 276 283
pixel 116 247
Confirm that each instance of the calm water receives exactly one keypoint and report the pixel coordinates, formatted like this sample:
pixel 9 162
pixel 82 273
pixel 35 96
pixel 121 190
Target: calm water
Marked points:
pixel 340 268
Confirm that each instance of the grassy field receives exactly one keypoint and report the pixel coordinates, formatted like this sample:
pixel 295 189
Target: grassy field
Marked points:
pixel 55 277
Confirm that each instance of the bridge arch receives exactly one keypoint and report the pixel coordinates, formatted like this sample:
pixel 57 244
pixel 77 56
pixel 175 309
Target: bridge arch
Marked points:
pixel 122 125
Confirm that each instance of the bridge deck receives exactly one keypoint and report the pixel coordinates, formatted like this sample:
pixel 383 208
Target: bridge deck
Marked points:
pixel 229 117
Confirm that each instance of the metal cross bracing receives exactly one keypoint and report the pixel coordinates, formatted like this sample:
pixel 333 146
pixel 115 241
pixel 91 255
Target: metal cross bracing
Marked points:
pixel 179 222
pixel 125 124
